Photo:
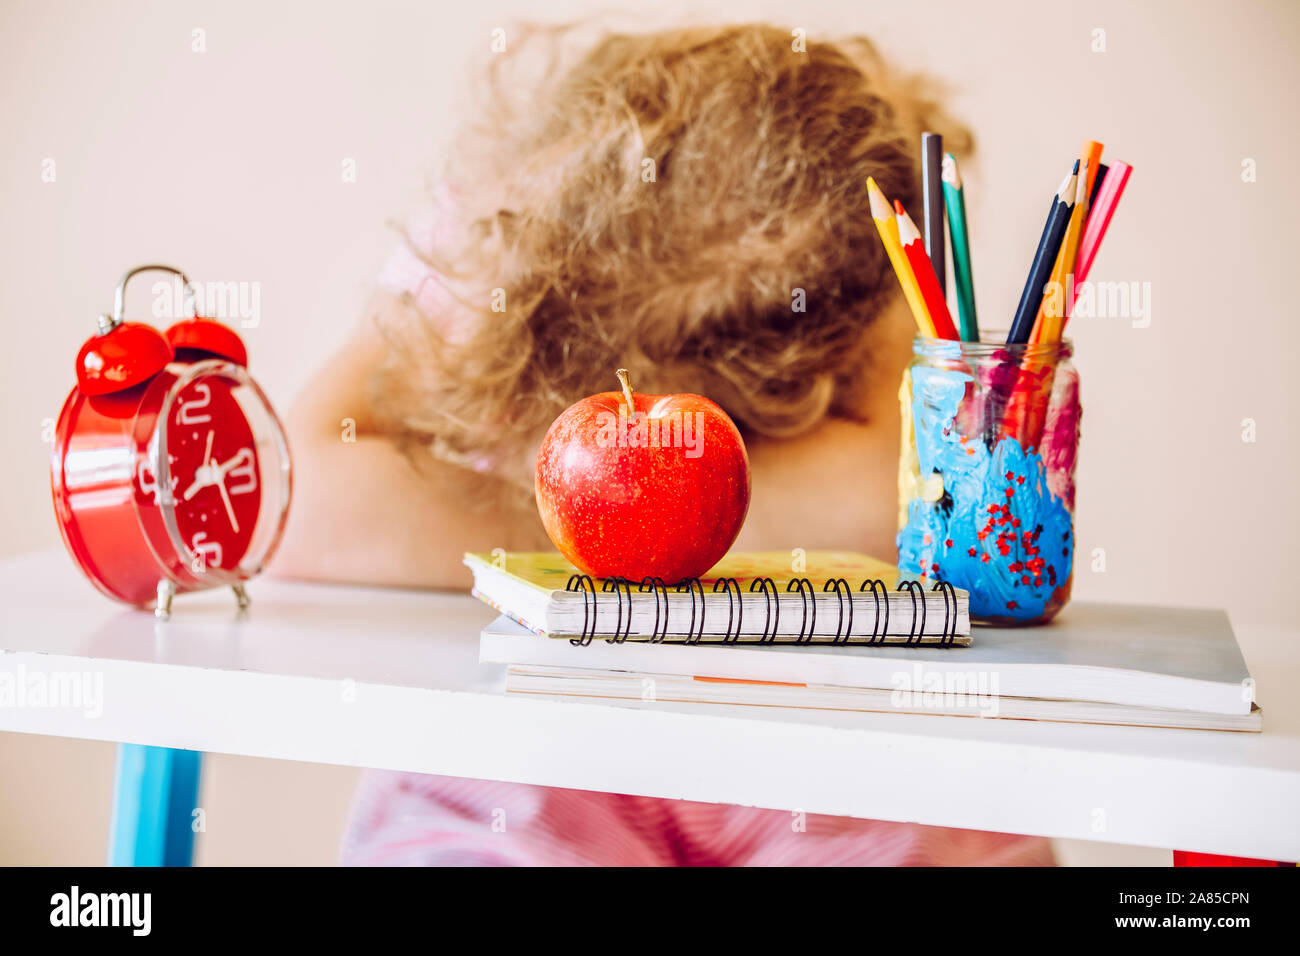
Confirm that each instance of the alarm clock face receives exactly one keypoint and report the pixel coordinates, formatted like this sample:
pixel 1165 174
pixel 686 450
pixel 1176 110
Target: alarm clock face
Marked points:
pixel 217 466
pixel 215 476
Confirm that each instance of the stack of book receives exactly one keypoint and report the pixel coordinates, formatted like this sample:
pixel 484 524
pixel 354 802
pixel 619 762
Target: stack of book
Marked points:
pixel 844 632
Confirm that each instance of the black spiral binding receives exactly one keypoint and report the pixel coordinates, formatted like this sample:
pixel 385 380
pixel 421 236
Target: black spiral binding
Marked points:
pixel 807 596
pixel 773 606
pixel 881 627
pixel 583 583
pixel 949 612
pixel 913 588
pixel 842 591
pixel 734 604
pixel 621 589
pixel 694 587
pixel 660 590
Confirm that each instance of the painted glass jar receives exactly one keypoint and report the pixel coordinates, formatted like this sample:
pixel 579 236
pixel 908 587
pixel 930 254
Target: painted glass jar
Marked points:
pixel 986 481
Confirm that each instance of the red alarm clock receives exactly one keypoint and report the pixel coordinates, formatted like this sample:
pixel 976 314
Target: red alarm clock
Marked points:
pixel 170 471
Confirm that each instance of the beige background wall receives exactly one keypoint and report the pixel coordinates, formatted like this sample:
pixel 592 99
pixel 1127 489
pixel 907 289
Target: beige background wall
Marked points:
pixel 228 162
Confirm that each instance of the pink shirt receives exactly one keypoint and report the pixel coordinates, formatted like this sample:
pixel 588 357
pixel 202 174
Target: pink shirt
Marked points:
pixel 407 819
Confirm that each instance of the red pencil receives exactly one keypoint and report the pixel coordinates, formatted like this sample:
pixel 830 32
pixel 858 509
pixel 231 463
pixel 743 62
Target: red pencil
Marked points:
pixel 935 303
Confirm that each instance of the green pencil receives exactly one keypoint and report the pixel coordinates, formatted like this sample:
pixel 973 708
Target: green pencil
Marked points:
pixel 955 199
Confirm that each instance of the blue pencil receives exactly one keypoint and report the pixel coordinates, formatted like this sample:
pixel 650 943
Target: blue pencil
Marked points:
pixel 1048 246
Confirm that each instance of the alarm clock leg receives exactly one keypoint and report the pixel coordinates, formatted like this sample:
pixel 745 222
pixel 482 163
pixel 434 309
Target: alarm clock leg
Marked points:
pixel 241 596
pixel 166 591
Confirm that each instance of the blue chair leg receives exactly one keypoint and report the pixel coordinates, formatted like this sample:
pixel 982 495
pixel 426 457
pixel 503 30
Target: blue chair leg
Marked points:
pixel 154 798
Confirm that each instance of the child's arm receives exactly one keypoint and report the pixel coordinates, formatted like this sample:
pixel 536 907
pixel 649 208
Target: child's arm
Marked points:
pixel 363 511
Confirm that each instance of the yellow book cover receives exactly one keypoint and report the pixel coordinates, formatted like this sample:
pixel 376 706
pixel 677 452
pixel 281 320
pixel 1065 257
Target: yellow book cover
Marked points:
pixel 549 571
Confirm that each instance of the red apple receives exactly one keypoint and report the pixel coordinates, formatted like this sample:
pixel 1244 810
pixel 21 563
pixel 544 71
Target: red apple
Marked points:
pixel 638 486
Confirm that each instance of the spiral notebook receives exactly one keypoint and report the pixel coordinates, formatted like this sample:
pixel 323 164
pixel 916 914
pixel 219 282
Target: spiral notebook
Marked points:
pixel 818 597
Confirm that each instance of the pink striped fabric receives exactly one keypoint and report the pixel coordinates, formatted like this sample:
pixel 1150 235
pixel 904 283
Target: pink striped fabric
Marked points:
pixel 403 819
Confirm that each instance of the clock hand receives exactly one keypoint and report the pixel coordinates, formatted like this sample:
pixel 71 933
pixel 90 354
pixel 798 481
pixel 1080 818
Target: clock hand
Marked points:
pixel 202 476
pixel 231 462
pixel 200 482
pixel 225 500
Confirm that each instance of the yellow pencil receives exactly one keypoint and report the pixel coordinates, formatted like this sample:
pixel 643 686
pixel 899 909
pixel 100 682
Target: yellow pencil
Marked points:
pixel 882 213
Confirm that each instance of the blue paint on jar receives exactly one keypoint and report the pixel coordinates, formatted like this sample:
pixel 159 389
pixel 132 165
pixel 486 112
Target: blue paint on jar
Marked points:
pixel 997 530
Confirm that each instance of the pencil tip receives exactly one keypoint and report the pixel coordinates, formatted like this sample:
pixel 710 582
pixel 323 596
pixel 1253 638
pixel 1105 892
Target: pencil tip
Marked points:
pixel 879 204
pixel 898 207
pixel 1076 167
pixel 950 174
pixel 1065 191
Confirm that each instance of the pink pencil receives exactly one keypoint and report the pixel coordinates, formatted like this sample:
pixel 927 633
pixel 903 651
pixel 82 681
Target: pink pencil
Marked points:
pixel 1094 230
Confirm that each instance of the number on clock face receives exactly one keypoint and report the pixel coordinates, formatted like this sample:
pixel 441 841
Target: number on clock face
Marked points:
pixel 189 410
pixel 215 475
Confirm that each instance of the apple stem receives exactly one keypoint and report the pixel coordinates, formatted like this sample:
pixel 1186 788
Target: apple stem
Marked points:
pixel 627 388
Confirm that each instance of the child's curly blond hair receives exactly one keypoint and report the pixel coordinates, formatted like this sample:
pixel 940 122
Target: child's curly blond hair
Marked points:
pixel 661 205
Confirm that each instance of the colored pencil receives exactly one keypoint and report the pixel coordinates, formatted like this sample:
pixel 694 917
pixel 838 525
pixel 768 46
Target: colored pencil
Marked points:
pixel 923 271
pixel 1058 217
pixel 1090 156
pixel 1108 196
pixel 887 226
pixel 1050 321
pixel 1027 410
pixel 1102 170
pixel 932 191
pixel 954 196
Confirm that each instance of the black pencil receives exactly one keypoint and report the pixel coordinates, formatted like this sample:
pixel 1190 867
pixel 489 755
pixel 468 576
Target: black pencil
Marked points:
pixel 1058 217
pixel 1102 169
pixel 932 191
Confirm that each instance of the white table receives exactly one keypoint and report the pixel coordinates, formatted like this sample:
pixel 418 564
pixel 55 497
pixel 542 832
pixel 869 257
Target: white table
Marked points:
pixel 391 679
